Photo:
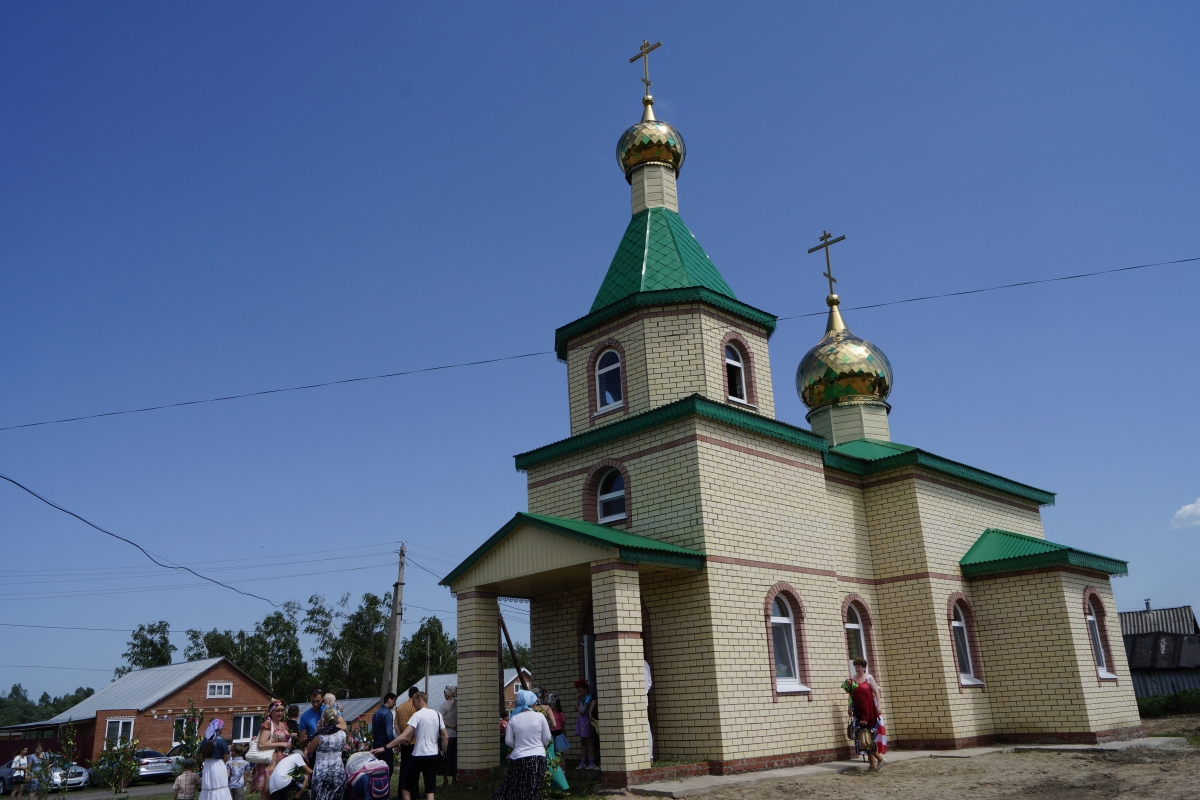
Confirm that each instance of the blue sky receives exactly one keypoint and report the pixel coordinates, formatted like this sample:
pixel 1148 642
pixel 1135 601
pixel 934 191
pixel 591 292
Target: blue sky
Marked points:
pixel 200 200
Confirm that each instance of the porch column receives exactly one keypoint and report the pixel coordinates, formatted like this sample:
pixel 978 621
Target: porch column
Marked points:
pixel 621 683
pixel 478 667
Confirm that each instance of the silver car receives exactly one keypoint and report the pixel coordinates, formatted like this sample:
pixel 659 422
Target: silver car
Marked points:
pixel 154 766
pixel 77 777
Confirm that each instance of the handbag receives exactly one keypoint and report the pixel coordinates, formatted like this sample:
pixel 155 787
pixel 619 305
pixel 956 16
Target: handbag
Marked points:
pixel 850 731
pixel 256 756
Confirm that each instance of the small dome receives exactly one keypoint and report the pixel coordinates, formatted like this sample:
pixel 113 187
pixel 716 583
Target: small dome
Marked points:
pixel 843 366
pixel 650 142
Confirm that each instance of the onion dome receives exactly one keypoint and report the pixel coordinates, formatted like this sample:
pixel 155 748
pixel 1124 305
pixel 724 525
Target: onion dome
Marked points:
pixel 842 367
pixel 650 142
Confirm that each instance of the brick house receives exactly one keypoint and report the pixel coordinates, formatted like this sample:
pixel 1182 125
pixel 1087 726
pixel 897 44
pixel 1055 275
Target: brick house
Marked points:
pixel 682 533
pixel 148 705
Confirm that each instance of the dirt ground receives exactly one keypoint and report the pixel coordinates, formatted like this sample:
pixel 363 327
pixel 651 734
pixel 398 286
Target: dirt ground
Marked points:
pixel 1188 725
pixel 1163 774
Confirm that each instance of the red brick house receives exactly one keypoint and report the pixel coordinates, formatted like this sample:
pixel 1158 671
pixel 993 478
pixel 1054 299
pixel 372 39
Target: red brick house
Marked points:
pixel 149 704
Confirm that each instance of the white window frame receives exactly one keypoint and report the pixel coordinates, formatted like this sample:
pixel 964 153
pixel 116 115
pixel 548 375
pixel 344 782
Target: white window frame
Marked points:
pixel 741 367
pixel 239 723
pixel 788 624
pixel 601 406
pixel 218 694
pixel 1093 626
pixel 177 730
pixel 601 498
pixel 122 735
pixel 860 631
pixel 961 641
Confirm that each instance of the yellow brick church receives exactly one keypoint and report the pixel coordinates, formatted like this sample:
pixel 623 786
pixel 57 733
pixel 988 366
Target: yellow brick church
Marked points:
pixel 744 561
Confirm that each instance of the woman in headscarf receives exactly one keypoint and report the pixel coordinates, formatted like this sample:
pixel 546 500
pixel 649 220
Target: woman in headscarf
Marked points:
pixel 527 735
pixel 275 739
pixel 214 777
pixel 449 712
pixel 329 774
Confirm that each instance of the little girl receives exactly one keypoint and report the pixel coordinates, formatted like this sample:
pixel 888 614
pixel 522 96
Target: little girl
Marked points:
pixel 586 706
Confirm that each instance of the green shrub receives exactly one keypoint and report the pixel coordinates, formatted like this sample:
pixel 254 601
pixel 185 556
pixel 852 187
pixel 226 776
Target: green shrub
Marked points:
pixel 1169 705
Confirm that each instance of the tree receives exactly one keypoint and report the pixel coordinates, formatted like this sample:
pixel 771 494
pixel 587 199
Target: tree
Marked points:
pixel 350 644
pixel 522 653
pixel 270 654
pixel 149 646
pixel 443 653
pixel 17 708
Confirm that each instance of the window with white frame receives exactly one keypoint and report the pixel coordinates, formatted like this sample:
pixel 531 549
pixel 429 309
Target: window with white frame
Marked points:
pixel 177 735
pixel 246 726
pixel 1094 621
pixel 610 500
pixel 220 690
pixel 735 373
pixel 117 731
pixel 783 644
pixel 962 648
pixel 608 381
pixel 856 643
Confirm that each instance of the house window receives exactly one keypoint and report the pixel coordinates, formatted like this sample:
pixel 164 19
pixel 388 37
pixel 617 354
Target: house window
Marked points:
pixel 610 501
pixel 962 648
pixel 608 381
pixel 783 644
pixel 1095 621
pixel 856 642
pixel 245 727
pixel 735 374
pixel 220 690
pixel 117 731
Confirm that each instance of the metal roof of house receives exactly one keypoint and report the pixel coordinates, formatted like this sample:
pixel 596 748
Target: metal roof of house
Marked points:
pixel 438 683
pixel 1159 620
pixel 138 690
pixel 996 552
pixel 355 707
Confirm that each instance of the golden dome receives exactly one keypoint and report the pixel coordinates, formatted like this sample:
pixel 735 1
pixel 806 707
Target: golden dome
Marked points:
pixel 650 142
pixel 842 367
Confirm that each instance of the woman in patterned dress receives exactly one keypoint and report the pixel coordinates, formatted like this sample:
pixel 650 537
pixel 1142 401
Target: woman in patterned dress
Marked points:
pixel 273 738
pixel 329 774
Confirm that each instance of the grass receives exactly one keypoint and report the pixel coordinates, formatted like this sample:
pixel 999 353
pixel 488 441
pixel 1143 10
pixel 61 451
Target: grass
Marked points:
pixel 583 785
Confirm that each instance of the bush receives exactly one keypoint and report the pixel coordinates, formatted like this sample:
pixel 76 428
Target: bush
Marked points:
pixel 1169 705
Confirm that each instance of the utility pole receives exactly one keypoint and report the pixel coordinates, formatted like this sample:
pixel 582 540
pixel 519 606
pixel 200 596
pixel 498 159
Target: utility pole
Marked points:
pixel 427 666
pixel 391 663
pixel 513 652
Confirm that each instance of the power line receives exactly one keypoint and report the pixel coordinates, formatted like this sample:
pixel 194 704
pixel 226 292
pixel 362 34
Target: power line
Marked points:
pixel 133 543
pixel 275 391
pixel 42 666
pixel 63 628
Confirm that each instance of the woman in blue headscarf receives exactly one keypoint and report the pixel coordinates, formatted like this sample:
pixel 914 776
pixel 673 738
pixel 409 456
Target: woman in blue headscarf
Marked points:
pixel 527 736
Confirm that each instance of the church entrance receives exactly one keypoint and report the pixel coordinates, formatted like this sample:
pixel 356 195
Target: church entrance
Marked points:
pixel 587 670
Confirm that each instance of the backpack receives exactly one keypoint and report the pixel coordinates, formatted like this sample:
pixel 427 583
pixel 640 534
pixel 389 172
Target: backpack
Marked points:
pixel 370 781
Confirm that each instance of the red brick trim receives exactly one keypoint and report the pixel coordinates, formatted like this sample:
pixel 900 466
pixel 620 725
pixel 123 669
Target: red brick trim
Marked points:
pixel 614 565
pixel 868 627
pixel 591 491
pixel 619 780
pixel 473 776
pixel 638 316
pixel 917 476
pixel 738 340
pixel 1092 597
pixel 473 595
pixel 960 599
pixel 479 654
pixel 593 399
pixel 743 562
pixel 856 484
pixel 945 576
pixel 604 637
pixel 792 598
pixel 759 453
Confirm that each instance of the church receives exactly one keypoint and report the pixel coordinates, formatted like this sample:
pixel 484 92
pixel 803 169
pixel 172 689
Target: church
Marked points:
pixel 681 530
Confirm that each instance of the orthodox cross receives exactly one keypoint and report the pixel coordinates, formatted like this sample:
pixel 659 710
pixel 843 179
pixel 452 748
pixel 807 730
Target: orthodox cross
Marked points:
pixel 826 241
pixel 644 55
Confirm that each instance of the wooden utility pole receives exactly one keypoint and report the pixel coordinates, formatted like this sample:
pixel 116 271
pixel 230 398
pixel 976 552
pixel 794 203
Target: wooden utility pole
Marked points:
pixel 391 662
pixel 513 652
pixel 427 667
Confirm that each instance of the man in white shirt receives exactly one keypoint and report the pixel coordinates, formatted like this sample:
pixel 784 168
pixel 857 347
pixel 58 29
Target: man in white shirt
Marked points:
pixel 281 784
pixel 425 730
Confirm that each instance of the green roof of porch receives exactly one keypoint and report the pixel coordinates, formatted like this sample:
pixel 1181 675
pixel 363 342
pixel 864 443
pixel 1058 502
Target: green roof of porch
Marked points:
pixel 996 552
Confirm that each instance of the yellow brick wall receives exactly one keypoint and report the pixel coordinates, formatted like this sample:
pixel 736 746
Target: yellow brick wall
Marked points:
pixel 1111 705
pixel 478 681
pixel 620 677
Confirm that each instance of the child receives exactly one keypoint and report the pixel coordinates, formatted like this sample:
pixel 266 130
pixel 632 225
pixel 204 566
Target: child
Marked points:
pixel 237 772
pixel 293 725
pixel 586 706
pixel 188 781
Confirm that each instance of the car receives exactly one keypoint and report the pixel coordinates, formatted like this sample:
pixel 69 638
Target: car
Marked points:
pixel 77 777
pixel 154 766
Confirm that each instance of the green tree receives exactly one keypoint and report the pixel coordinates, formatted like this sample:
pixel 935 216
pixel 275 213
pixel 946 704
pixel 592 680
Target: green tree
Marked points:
pixel 149 646
pixel 350 644
pixel 522 653
pixel 443 653
pixel 270 654
pixel 118 764
pixel 16 707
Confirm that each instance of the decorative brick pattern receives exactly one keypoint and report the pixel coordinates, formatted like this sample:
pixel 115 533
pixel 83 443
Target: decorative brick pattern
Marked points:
pixel 591 491
pixel 738 340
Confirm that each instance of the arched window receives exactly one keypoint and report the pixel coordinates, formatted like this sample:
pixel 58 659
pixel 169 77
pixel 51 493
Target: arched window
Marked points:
pixel 735 374
pixel 967 672
pixel 1096 632
pixel 856 641
pixel 608 381
pixel 783 644
pixel 610 499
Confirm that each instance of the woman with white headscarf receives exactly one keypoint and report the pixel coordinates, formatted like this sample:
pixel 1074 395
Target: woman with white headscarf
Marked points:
pixel 214 778
pixel 449 712
pixel 527 735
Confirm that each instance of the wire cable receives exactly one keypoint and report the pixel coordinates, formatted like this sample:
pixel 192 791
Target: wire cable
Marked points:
pixel 132 543
pixel 42 666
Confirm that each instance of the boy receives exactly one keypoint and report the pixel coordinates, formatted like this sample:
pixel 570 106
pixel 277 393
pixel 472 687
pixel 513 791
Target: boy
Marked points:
pixel 283 782
pixel 188 781
pixel 237 767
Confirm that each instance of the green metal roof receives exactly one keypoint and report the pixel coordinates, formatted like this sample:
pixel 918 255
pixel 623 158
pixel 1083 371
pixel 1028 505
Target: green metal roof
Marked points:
pixel 998 551
pixel 660 297
pixel 870 457
pixel 692 405
pixel 658 252
pixel 632 548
